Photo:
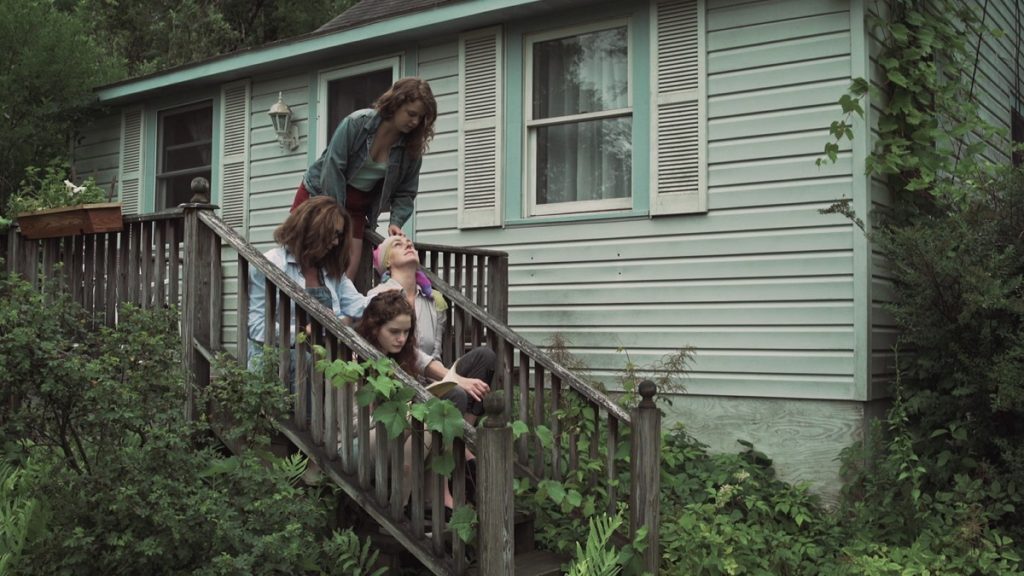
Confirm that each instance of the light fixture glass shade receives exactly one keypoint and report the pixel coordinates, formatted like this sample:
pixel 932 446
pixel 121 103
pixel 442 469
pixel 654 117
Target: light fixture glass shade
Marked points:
pixel 280 116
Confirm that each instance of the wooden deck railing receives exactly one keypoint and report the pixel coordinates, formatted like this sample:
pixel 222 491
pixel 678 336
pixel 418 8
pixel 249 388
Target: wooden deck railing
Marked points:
pixel 140 264
pixel 159 258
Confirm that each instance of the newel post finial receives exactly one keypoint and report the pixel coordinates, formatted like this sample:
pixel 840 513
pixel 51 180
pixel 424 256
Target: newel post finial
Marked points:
pixel 494 409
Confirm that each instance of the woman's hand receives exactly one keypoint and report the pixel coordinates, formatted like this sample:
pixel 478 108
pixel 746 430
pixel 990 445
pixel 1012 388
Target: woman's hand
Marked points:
pixel 394 230
pixel 475 387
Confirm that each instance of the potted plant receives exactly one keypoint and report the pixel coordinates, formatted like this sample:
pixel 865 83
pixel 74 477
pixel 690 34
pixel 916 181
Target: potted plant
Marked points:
pixel 49 205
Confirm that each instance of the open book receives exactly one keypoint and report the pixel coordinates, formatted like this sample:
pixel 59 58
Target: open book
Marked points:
pixel 444 385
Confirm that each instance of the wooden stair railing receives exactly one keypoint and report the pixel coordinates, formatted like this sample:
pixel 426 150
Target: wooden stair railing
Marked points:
pixel 333 438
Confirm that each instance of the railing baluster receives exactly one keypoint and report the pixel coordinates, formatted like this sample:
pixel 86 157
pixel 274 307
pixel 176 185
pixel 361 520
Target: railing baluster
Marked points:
pixel 556 430
pixel 283 327
pixel 111 296
pixel 160 266
pixel 538 418
pixel 345 415
pixel 365 449
pixel 134 285
pixel 458 500
pixel 216 279
pixel 243 310
pixel 89 272
pixel 174 246
pixel 611 449
pixel 594 440
pixel 397 453
pixel 436 497
pixel 522 444
pixel 145 252
pixel 317 379
pixel 380 464
pixel 416 477
pixel 99 302
pixel 330 396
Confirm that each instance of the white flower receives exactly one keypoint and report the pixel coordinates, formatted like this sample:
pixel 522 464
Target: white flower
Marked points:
pixel 72 188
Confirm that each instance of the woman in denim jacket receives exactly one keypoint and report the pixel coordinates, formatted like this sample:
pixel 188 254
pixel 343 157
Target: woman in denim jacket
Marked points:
pixel 373 161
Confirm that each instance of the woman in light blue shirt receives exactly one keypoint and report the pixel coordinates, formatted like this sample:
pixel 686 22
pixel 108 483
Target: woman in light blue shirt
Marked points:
pixel 313 250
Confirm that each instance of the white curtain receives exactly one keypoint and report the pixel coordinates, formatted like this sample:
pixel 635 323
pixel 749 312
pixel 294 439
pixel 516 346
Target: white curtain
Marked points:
pixel 582 160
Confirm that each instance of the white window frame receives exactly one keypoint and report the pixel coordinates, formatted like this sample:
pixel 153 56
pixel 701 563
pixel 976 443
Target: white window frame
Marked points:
pixel 531 207
pixel 330 75
pixel 159 199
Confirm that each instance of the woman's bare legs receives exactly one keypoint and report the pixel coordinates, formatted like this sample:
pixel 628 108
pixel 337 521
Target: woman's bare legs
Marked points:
pixel 354 255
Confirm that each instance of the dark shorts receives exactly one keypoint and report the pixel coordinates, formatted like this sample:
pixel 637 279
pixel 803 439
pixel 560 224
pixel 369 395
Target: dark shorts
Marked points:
pixel 357 203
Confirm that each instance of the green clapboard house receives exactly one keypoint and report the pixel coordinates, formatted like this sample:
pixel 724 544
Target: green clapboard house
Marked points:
pixel 648 166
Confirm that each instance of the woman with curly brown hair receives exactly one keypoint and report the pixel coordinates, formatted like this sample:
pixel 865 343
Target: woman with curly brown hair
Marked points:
pixel 389 323
pixel 373 160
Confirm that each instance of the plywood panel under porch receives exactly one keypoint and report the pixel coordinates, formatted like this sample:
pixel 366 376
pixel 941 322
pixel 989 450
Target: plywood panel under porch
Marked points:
pixel 804 438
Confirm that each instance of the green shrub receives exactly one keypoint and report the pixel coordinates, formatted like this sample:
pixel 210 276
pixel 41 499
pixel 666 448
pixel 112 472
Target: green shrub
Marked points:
pixel 139 489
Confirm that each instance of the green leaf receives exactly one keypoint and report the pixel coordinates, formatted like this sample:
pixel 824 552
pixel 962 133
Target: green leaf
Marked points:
pixel 544 434
pixel 519 428
pixel 443 463
pixel 444 417
pixel 897 77
pixel 393 415
pixel 464 522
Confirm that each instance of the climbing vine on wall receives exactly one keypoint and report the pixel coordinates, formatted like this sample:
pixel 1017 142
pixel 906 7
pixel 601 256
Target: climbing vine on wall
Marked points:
pixel 928 132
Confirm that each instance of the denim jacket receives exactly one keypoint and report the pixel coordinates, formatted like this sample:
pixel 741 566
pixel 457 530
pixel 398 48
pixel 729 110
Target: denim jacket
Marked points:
pixel 346 300
pixel 348 150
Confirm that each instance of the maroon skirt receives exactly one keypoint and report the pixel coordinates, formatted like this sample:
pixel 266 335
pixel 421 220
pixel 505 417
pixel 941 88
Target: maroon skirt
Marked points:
pixel 357 204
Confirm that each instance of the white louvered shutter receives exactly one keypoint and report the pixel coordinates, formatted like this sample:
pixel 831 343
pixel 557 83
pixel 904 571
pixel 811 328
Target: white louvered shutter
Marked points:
pixel 480 108
pixel 679 145
pixel 131 160
pixel 234 166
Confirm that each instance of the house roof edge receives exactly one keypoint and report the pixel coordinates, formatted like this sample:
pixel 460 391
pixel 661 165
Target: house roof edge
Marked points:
pixel 231 65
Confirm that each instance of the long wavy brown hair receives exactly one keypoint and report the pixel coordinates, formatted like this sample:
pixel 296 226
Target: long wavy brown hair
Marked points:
pixel 384 308
pixel 402 92
pixel 309 233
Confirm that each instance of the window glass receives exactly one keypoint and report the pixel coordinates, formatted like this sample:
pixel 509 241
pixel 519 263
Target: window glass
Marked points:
pixel 185 139
pixel 580 129
pixel 581 74
pixel 346 95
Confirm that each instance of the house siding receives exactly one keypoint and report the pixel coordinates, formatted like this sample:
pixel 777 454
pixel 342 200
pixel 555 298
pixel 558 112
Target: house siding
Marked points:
pixel 97 152
pixel 760 285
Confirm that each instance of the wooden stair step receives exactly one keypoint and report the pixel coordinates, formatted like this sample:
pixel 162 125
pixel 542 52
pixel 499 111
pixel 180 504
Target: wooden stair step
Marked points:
pixel 539 563
pixel 533 563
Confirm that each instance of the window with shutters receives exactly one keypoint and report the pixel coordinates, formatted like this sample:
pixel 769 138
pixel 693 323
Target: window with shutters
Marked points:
pixel 184 138
pixel 578 117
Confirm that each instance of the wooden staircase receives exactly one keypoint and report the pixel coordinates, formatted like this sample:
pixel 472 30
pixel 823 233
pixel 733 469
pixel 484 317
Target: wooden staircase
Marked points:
pixel 188 255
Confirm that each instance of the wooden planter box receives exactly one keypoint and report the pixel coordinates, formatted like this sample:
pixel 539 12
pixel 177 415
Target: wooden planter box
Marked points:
pixel 70 221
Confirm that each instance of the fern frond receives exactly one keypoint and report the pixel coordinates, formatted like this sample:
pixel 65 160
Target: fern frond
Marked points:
pixel 597 559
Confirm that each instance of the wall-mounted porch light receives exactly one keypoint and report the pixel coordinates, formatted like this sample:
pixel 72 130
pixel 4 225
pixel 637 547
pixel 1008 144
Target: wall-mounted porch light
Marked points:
pixel 281 117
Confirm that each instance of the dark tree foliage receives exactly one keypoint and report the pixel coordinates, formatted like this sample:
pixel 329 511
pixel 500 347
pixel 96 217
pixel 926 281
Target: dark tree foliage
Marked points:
pixel 152 35
pixel 54 53
pixel 50 62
